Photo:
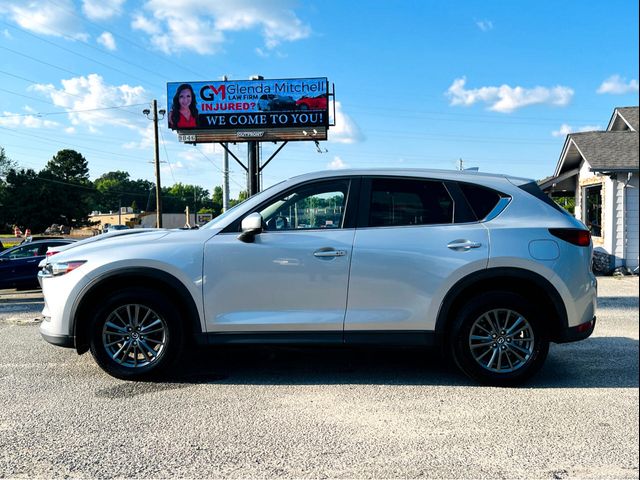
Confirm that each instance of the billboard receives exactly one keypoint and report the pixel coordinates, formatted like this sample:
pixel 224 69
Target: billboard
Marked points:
pixel 244 110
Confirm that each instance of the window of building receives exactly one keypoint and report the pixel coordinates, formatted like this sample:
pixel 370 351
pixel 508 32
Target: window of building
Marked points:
pixel 593 209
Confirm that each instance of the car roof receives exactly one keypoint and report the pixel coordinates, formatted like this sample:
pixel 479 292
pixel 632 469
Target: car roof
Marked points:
pixel 460 175
pixel 40 242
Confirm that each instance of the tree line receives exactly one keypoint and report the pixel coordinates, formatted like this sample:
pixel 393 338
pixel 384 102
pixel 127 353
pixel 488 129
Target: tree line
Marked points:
pixel 62 193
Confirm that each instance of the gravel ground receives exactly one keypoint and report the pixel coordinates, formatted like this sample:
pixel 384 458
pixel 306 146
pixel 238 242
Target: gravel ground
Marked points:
pixel 250 412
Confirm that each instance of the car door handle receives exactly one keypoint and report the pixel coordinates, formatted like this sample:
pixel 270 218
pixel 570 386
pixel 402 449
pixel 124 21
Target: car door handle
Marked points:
pixel 463 245
pixel 329 253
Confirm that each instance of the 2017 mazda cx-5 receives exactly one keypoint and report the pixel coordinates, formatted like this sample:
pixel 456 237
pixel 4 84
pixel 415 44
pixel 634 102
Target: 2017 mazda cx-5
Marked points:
pixel 483 265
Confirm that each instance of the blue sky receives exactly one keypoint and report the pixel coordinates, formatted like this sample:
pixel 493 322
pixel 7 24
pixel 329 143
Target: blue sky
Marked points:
pixel 418 83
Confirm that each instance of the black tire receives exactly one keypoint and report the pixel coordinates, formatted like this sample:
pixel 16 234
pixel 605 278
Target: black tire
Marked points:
pixel 137 333
pixel 509 342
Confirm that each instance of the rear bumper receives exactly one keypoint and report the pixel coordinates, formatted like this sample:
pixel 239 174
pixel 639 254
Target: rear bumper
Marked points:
pixel 579 332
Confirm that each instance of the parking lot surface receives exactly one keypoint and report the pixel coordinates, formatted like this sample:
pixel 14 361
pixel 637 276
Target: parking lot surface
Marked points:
pixel 249 412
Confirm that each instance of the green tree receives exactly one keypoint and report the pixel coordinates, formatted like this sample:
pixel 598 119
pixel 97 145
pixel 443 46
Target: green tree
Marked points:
pixel 6 164
pixel 27 203
pixel 68 188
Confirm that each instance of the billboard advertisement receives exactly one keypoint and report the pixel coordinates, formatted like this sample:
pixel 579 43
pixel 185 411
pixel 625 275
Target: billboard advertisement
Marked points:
pixel 255 105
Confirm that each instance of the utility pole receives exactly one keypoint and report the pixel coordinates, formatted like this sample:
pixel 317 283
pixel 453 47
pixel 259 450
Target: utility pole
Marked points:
pixel 156 158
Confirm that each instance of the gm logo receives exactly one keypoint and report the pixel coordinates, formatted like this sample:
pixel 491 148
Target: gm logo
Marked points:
pixel 208 92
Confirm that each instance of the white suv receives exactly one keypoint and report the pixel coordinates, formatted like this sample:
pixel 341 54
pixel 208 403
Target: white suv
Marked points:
pixel 486 266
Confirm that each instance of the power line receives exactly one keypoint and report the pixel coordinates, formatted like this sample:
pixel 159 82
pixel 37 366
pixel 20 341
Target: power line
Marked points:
pixel 43 114
pixel 104 52
pixel 40 61
pixel 129 41
pixel 17 132
pixel 218 168
pixel 166 154
pixel 82 56
pixel 34 82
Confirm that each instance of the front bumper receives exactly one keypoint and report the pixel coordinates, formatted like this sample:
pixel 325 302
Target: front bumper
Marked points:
pixel 66 341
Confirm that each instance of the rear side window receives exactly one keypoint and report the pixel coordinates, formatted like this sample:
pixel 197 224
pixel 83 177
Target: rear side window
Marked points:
pixel 481 200
pixel 398 202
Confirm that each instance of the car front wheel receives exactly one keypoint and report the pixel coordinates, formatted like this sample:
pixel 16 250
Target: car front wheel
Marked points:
pixel 499 339
pixel 137 333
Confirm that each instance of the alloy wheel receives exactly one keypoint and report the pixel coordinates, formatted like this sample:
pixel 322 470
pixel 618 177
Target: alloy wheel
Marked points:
pixel 134 335
pixel 501 340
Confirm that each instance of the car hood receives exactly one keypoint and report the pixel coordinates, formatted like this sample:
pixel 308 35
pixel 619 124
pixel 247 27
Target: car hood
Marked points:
pixel 107 240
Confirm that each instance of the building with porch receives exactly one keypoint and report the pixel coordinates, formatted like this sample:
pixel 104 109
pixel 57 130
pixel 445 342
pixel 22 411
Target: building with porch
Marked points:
pixel 600 169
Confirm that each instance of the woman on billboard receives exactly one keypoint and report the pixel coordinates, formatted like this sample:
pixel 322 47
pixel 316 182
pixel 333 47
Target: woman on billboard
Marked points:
pixel 183 113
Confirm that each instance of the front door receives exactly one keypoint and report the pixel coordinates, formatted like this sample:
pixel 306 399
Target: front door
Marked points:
pixel 293 277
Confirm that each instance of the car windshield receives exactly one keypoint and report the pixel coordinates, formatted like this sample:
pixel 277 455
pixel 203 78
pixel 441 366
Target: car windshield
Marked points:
pixel 220 219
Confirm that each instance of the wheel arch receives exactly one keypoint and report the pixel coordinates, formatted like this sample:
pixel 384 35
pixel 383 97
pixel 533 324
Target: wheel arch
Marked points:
pixel 516 280
pixel 152 278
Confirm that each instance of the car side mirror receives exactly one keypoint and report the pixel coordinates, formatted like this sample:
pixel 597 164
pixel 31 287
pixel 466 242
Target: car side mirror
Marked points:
pixel 251 226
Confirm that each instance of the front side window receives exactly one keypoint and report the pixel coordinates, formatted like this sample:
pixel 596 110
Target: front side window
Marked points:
pixel 593 209
pixel 320 205
pixel 398 202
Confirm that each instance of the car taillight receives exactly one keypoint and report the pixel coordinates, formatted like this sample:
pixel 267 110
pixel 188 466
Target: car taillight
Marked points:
pixel 52 252
pixel 575 236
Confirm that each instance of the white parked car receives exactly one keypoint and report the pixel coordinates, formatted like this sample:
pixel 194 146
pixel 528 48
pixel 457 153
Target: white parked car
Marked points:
pixel 486 266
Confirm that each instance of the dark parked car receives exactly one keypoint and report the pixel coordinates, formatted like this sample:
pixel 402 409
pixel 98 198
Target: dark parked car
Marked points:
pixel 19 265
pixel 276 103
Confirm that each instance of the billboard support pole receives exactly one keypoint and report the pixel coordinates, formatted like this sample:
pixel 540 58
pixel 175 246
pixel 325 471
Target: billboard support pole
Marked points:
pixel 273 155
pixel 254 168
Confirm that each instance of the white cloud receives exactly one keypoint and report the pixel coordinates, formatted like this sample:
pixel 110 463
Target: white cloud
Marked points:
pixel 566 129
pixel 617 85
pixel 148 26
pixel 200 25
pixel 91 93
pixel 345 130
pixel 6 34
pixel 107 41
pixel 337 164
pixel 485 25
pixel 505 98
pixel 102 9
pixel 45 17
pixel 9 119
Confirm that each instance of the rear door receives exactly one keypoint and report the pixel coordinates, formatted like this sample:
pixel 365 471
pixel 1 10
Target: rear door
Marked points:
pixel 415 238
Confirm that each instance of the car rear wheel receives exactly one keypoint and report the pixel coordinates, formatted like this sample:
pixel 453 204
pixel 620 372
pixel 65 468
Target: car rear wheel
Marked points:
pixel 499 339
pixel 136 334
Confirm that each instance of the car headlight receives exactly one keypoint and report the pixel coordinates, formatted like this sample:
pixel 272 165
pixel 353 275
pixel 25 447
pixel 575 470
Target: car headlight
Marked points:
pixel 56 269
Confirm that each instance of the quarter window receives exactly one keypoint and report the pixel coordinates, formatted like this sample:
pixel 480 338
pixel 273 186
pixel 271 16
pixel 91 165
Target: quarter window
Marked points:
pixel 399 202
pixel 481 200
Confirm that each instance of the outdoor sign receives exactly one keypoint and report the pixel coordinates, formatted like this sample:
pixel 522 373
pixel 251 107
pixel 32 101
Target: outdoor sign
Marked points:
pixel 249 110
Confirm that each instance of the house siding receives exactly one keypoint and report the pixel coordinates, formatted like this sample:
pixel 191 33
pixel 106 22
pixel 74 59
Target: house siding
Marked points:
pixel 631 211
